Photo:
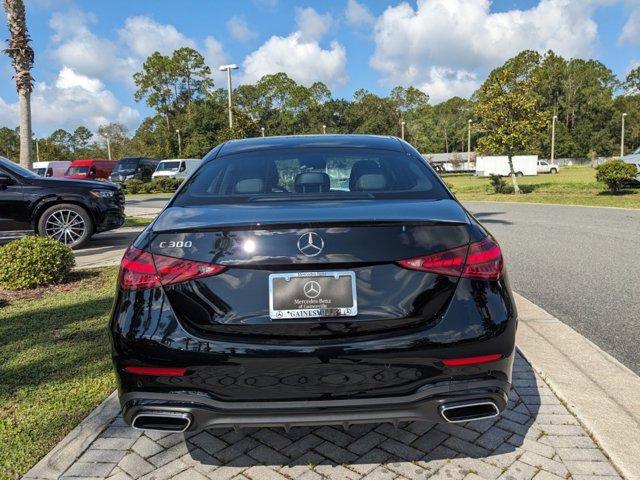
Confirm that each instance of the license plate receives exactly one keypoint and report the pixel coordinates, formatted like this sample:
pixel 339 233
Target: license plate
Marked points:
pixel 312 295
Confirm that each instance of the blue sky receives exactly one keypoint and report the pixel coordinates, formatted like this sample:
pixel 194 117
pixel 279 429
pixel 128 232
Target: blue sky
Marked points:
pixel 86 51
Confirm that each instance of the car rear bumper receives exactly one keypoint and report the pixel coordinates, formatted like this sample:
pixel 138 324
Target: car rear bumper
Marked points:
pixel 202 413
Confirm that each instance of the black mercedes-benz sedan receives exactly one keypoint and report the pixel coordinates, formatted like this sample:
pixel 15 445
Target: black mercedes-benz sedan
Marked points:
pixel 312 280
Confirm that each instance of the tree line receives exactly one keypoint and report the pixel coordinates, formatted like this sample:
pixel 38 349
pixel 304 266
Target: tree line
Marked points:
pixel 510 113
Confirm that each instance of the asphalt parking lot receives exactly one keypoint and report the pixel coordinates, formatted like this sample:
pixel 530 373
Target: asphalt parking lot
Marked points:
pixel 578 263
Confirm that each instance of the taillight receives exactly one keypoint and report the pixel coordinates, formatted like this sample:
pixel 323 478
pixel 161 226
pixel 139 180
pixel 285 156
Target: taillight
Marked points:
pixel 481 259
pixel 157 371
pixel 140 270
pixel 449 262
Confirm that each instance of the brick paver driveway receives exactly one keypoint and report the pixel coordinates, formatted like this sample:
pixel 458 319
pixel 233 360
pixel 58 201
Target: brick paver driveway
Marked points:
pixel 535 438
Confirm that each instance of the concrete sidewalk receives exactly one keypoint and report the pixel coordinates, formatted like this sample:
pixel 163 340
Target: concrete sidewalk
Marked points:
pixel 106 249
pixel 537 437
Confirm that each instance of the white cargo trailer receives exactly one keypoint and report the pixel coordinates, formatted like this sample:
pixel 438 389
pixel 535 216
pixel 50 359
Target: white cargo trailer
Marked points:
pixel 499 165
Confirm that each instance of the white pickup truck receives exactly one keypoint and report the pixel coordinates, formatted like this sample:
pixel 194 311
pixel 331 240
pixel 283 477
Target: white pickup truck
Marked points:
pixel 634 159
pixel 546 167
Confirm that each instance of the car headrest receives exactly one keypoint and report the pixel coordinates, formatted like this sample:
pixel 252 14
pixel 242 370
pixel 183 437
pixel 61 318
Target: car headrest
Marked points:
pixel 362 167
pixel 312 182
pixel 249 186
pixel 371 182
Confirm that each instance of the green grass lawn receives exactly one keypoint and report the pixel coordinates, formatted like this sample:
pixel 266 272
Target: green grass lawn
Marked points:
pixel 572 186
pixel 137 221
pixel 54 363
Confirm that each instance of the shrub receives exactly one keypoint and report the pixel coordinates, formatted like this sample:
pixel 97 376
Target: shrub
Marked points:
pixel 498 184
pixel 133 186
pixel 166 184
pixel 34 261
pixel 615 174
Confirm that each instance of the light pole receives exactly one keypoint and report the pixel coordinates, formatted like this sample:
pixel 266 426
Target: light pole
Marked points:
pixel 228 68
pixel 179 142
pixel 553 137
pixel 402 124
pixel 262 131
pixel 106 135
pixel 622 136
pixel 469 142
pixel 324 129
pixel 37 149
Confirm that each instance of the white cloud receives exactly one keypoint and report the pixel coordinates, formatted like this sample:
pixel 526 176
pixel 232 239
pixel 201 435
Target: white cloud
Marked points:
pixel 79 48
pixel 143 36
pixel 215 56
pixel 304 61
pixel 311 24
pixel 358 14
pixel 67 78
pixel 239 29
pixel 300 54
pixel 71 101
pixel 444 41
pixel 631 30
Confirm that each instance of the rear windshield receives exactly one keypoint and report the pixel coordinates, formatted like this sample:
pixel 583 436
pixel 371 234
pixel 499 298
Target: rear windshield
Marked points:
pixel 77 170
pixel 126 165
pixel 295 174
pixel 168 166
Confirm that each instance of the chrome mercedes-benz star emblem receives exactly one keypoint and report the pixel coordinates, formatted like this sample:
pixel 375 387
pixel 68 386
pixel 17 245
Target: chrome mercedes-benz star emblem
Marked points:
pixel 311 289
pixel 310 244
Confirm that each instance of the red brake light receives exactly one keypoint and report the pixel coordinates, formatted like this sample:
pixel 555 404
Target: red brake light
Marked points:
pixel 158 371
pixel 140 269
pixel 482 260
pixel 137 270
pixel 456 362
pixel 449 262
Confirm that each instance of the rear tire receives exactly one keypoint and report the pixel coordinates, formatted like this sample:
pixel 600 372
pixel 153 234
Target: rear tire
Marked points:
pixel 67 223
pixel 519 174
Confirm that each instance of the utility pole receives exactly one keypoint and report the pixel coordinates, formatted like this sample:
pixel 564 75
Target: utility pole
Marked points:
pixel 179 142
pixel 622 136
pixel 553 137
pixel 469 142
pixel 228 68
pixel 402 124
pixel 106 135
pixel 37 149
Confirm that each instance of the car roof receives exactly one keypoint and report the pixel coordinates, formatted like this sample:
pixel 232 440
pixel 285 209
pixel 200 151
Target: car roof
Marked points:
pixel 297 141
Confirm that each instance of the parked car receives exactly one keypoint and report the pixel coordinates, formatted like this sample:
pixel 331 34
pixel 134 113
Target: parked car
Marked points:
pixel 176 168
pixel 67 210
pixel 90 169
pixel 55 169
pixel 128 168
pixel 634 159
pixel 546 167
pixel 265 293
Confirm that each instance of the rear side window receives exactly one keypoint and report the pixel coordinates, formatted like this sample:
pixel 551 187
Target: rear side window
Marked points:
pixel 295 174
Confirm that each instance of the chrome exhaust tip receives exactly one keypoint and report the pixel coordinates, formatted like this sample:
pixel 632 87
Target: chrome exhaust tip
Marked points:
pixel 469 411
pixel 162 421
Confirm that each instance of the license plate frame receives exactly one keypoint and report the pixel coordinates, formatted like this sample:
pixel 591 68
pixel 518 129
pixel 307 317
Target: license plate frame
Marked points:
pixel 315 311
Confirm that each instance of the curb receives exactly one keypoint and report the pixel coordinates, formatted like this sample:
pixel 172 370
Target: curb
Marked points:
pixel 600 391
pixel 64 454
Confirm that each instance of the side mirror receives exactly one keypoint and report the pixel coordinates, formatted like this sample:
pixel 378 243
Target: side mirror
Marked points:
pixel 5 180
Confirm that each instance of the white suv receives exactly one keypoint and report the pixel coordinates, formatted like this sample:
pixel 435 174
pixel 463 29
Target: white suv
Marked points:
pixel 546 167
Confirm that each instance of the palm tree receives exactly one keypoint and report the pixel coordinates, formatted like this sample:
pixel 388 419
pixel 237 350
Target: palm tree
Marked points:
pixel 21 55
